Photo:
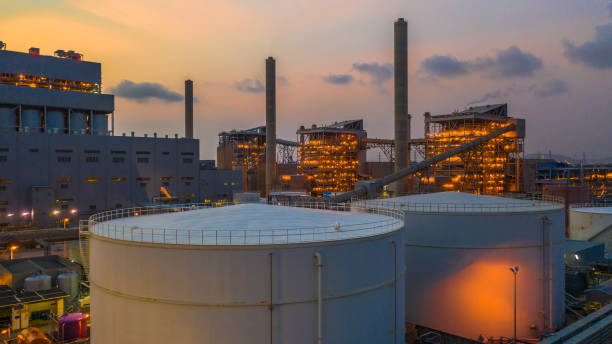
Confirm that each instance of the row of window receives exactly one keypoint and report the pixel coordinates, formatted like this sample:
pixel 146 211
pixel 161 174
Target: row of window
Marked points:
pixel 95 159
pixel 114 179
pixel 96 151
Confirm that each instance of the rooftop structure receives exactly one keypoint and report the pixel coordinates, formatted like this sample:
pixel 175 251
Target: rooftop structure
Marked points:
pixel 492 168
pixel 53 94
pixel 332 156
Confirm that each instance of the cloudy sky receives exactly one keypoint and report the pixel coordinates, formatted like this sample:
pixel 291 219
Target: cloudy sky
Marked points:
pixel 551 60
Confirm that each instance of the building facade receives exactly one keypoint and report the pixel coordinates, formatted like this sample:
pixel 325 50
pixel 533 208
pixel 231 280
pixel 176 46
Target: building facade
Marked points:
pixel 59 159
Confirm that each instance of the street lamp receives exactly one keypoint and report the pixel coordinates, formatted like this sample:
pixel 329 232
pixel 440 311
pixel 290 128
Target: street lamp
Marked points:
pixel 11 249
pixel 515 271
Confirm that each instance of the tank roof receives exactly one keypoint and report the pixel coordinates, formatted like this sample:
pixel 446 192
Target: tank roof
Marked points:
pixel 594 210
pixel 248 224
pixel 462 202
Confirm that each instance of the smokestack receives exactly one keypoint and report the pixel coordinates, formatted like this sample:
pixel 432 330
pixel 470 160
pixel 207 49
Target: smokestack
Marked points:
pixel 402 119
pixel 270 124
pixel 189 109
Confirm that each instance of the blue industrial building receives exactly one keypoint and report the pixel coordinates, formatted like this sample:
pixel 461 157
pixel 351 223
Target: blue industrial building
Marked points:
pixel 60 160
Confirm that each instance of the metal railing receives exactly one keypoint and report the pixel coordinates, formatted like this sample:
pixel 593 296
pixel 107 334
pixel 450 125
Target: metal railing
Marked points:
pixel 102 225
pixel 521 204
pixel 602 204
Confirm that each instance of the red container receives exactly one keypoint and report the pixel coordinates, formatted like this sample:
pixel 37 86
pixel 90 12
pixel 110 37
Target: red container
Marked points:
pixel 73 326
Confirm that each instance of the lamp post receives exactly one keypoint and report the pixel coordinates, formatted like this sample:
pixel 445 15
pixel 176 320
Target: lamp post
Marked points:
pixel 515 271
pixel 12 249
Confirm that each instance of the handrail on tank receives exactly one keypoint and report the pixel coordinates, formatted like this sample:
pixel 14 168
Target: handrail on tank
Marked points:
pixel 98 225
pixel 537 203
pixel 602 204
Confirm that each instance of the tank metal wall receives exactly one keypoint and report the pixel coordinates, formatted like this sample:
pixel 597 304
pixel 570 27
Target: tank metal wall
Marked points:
pixel 56 121
pixel 31 120
pixel 458 277
pixel 78 122
pixel 100 124
pixel 169 294
pixel 8 118
pixel 591 226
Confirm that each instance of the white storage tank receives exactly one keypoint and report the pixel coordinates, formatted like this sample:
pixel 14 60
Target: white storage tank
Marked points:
pixel 69 283
pixel 56 121
pixel 37 282
pixel 248 273
pixel 459 251
pixel 8 118
pixel 31 120
pixel 591 222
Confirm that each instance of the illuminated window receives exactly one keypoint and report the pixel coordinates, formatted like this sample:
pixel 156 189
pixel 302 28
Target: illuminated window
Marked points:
pixel 63 180
pixel 92 180
pixel 118 179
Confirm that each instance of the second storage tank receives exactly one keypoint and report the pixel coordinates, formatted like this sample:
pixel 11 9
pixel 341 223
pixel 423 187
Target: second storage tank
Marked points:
pixel 459 251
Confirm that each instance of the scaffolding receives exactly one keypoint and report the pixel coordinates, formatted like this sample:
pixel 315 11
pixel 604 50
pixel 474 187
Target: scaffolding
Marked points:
pixel 331 156
pixel 492 168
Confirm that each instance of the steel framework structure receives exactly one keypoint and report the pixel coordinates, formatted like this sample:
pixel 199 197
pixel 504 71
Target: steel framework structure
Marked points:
pixel 330 156
pixel 491 168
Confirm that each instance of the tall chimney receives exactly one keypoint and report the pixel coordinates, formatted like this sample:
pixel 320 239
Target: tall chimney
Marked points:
pixel 402 119
pixel 270 124
pixel 188 109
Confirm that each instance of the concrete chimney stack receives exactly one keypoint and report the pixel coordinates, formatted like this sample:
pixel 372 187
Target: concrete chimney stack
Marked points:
pixel 270 124
pixel 188 109
pixel 402 119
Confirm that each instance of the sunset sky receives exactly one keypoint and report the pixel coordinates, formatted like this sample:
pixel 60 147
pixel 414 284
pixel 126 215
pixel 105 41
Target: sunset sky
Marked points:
pixel 551 60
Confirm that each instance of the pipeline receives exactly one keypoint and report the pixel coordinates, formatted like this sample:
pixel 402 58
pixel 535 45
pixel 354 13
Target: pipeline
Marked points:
pixel 376 184
pixel 319 266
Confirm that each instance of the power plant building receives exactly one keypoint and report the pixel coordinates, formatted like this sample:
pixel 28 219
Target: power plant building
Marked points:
pixel 58 158
pixel 332 156
pixel 493 168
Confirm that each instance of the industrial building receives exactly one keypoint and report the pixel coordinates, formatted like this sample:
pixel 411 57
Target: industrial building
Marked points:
pixel 331 156
pixel 597 177
pixel 58 158
pixel 492 168
pixel 283 274
pixel 459 248
pixel 33 289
